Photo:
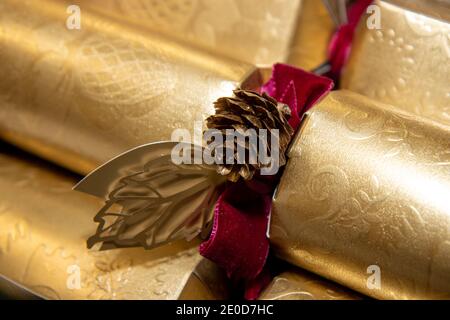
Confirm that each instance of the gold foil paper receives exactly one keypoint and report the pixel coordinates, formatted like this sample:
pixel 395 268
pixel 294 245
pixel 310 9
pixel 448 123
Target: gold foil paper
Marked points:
pixel 297 284
pixel 43 230
pixel 256 31
pixel 314 29
pixel 406 62
pixel 364 199
pixel 80 97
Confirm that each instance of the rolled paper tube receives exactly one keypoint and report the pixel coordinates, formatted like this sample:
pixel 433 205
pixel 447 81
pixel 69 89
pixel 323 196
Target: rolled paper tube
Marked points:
pixel 315 28
pixel 259 32
pixel 80 97
pixel 255 31
pixel 43 229
pixel 297 284
pixel 363 200
pixel 406 62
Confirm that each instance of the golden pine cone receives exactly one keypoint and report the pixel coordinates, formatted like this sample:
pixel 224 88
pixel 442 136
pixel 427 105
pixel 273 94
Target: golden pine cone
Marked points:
pixel 250 110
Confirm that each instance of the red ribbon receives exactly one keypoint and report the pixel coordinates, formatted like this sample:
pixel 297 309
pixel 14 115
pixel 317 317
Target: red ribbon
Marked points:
pixel 238 241
pixel 341 43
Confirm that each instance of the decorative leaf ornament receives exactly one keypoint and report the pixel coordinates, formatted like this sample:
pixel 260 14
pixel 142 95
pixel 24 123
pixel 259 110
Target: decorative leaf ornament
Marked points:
pixel 149 200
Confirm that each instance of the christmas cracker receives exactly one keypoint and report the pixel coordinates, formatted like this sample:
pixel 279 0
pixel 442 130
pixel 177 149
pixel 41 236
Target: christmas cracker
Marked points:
pixel 43 230
pixel 297 284
pixel 404 61
pixel 255 31
pixel 363 200
pixel 79 97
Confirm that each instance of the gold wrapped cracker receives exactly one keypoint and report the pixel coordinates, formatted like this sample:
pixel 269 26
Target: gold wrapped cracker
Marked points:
pixel 314 29
pixel 297 284
pixel 256 31
pixel 43 231
pixel 406 62
pixel 363 200
pixel 80 97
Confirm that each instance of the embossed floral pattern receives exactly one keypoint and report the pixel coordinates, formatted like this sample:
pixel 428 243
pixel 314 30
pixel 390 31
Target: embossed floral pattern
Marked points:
pixel 370 189
pixel 395 65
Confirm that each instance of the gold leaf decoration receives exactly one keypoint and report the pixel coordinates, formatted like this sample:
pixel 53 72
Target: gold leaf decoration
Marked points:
pixel 150 200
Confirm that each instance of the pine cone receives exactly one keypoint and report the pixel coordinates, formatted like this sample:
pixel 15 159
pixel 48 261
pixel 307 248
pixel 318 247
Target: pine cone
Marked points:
pixel 250 110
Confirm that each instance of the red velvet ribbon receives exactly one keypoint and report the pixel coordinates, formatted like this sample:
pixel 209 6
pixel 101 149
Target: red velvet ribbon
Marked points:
pixel 238 241
pixel 341 43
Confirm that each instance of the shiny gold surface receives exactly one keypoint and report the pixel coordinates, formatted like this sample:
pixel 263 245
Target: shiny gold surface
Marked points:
pixel 297 284
pixel 308 48
pixel 80 97
pixel 43 230
pixel 256 31
pixel 367 185
pixel 406 63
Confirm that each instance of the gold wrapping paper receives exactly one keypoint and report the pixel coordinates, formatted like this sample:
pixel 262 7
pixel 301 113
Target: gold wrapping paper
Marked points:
pixel 314 29
pixel 367 187
pixel 256 31
pixel 43 230
pixel 406 62
pixel 80 97
pixel 297 284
